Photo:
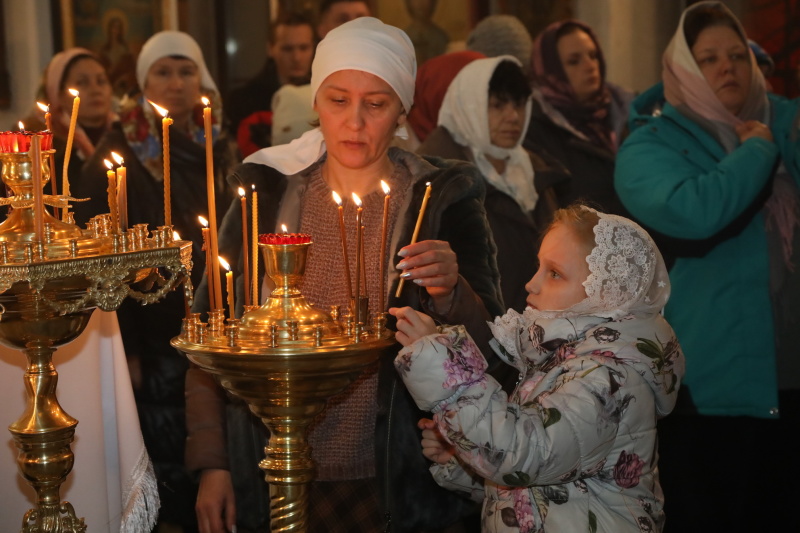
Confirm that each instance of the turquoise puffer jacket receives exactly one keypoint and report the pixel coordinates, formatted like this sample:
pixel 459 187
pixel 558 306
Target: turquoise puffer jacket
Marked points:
pixel 677 179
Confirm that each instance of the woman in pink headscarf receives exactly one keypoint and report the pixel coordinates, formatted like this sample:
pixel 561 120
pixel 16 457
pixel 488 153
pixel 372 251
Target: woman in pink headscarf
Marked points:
pixel 712 165
pixel 79 69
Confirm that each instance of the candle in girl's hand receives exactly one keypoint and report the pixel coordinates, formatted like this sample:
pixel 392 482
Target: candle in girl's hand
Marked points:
pixel 112 195
pixel 254 248
pixel 122 191
pixel 384 226
pixel 76 102
pixel 228 286
pixel 165 123
pixel 416 229
pixel 209 277
pixel 343 233
pixel 243 200
pixel 212 206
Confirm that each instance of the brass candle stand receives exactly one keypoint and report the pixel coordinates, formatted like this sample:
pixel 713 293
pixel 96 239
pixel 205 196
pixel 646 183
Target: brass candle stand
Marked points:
pixel 286 359
pixel 48 290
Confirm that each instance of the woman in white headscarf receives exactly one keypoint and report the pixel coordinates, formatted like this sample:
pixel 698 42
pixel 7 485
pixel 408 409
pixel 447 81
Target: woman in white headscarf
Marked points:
pixel 486 127
pixel 172 73
pixel 716 173
pixel 370 469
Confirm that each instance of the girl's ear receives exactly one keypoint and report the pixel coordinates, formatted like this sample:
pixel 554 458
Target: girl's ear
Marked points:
pixel 401 120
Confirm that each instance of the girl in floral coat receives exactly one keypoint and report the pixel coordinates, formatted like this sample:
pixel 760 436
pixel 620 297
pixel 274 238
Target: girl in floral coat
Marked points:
pixel 574 446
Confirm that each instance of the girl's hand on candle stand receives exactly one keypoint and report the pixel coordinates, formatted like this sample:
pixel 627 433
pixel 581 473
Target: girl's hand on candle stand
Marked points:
pixel 411 325
pixel 433 265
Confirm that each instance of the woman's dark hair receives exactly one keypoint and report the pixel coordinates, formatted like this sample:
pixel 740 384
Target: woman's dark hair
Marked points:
pixel 509 84
pixel 700 18
pixel 566 29
pixel 71 63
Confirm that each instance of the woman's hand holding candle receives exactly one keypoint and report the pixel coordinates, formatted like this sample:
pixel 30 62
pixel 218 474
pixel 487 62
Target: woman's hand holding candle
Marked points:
pixel 433 265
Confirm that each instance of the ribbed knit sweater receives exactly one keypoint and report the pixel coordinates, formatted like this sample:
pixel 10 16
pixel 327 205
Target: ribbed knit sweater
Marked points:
pixel 342 438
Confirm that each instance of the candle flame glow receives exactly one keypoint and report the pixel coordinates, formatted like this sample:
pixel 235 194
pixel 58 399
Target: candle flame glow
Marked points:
pixel 337 199
pixel 206 101
pixel 428 184
pixel 241 191
pixel 203 221
pixel 43 107
pixel 283 227
pixel 21 126
pixel 108 164
pixel 117 158
pixel 73 92
pixel 161 111
pixel 224 263
pixel 357 200
pixel 176 236
pixel 384 187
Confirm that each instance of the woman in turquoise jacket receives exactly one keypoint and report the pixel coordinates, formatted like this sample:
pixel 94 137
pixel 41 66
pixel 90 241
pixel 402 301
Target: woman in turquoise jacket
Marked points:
pixel 712 167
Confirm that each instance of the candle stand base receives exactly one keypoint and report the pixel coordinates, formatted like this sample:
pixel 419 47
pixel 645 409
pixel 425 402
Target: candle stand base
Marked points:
pixel 286 361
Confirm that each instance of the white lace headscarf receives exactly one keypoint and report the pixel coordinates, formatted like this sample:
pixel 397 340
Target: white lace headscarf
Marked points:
pixel 627 274
pixel 365 44
pixel 465 114
pixel 172 43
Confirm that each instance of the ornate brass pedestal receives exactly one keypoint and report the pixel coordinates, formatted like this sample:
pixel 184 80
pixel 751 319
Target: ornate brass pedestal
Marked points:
pixel 48 290
pixel 285 359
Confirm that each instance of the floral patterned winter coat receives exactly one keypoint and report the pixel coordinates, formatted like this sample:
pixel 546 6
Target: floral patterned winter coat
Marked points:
pixel 574 447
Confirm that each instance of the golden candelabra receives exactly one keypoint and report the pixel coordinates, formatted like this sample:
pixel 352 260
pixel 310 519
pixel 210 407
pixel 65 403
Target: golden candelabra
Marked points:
pixel 49 287
pixel 286 359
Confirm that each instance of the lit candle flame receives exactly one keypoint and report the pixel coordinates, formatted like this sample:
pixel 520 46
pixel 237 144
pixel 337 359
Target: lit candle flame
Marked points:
pixel 384 187
pixel 283 227
pixel 21 126
pixel 428 184
pixel 241 191
pixel 224 263
pixel 176 236
pixel 206 101
pixel 117 158
pixel 73 92
pixel 43 107
pixel 357 200
pixel 161 111
pixel 337 199
pixel 203 221
pixel 108 164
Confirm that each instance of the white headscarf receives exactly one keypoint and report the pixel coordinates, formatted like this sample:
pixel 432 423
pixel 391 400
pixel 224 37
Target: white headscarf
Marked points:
pixel 465 114
pixel 172 43
pixel 365 44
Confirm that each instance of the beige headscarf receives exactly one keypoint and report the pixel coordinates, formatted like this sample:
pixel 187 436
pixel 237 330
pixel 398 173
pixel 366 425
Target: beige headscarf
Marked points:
pixel 365 44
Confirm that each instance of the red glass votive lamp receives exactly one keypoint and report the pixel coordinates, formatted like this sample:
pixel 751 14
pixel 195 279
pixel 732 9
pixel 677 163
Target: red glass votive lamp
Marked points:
pixel 20 141
pixel 284 238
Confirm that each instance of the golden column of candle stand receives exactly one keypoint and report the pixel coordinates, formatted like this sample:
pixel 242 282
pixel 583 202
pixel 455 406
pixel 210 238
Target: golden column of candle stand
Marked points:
pixel 286 359
pixel 48 291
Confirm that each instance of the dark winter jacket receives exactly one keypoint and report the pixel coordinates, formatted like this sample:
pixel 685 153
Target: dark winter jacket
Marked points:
pixel 454 213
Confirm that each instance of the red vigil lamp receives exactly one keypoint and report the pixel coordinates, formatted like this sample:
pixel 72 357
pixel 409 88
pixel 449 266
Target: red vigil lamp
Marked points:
pixel 284 238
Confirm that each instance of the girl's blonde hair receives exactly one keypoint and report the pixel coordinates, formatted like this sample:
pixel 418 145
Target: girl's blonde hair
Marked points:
pixel 582 221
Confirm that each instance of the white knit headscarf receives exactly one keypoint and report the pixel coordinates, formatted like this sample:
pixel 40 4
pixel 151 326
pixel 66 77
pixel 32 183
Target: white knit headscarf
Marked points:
pixel 365 44
pixel 465 114
pixel 172 43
